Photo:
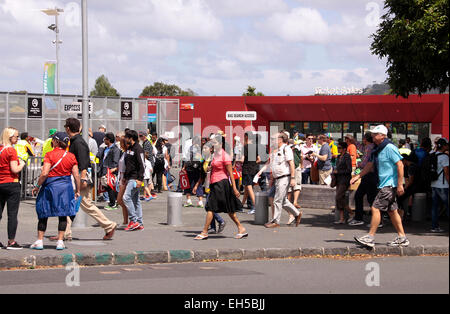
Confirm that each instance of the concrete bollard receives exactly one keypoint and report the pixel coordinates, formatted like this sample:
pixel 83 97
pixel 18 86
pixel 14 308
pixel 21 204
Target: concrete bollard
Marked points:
pixel 261 208
pixel 419 207
pixel 174 207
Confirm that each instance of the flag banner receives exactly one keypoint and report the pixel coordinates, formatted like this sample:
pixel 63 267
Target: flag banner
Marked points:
pixel 49 77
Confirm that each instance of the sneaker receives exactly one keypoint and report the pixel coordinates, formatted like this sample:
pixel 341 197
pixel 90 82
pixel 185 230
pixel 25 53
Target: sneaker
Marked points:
pixel 251 212
pixel 14 246
pixel 148 199
pixel 399 241
pixel 140 227
pixel 221 227
pixel 437 230
pixel 201 205
pixel 111 207
pixel 38 245
pixel 212 231
pixel 131 225
pixel 60 245
pixel 366 240
pixel 188 204
pixel 356 223
pixel 2 246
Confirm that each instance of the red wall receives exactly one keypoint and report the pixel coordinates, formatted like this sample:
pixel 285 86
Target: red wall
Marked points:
pixel 384 108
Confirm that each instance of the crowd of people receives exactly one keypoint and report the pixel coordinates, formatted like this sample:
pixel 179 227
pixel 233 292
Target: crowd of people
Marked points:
pixel 222 176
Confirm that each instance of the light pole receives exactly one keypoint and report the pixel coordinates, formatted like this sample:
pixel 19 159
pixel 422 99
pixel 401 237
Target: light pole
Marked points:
pixel 54 27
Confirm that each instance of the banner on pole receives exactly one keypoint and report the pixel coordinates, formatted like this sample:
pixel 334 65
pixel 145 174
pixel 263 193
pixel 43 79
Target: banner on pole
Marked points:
pixel 49 77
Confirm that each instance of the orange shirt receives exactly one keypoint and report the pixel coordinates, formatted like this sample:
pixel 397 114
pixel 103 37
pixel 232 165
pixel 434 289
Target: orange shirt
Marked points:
pixel 353 153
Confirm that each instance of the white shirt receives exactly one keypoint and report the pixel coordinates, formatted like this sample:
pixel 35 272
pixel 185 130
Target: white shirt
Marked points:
pixel 305 149
pixel 279 161
pixel 148 169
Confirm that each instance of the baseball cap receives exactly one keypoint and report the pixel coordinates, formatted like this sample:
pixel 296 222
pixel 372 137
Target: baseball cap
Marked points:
pixel 62 137
pixel 380 129
pixel 441 142
pixel 142 133
pixel 51 132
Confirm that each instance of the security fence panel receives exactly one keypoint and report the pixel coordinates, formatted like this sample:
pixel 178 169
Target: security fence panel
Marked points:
pixel 168 115
pixel 51 111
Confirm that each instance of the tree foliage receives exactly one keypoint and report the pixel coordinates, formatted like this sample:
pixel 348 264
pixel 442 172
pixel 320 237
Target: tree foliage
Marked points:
pixel 159 89
pixel 251 91
pixel 104 88
pixel 414 37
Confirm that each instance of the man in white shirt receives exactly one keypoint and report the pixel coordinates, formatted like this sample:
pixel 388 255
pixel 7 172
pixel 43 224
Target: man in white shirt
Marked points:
pixel 440 186
pixel 283 172
pixel 307 154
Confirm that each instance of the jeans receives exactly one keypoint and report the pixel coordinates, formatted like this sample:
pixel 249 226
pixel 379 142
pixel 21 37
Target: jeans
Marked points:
pixel 305 175
pixel 132 202
pixel 439 196
pixel 218 219
pixel 367 187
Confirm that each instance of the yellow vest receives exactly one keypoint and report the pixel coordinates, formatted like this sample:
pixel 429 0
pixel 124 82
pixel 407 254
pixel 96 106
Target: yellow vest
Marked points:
pixel 47 147
pixel 22 148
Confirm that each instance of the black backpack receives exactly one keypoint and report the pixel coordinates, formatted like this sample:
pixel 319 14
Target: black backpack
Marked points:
pixel 159 160
pixel 429 169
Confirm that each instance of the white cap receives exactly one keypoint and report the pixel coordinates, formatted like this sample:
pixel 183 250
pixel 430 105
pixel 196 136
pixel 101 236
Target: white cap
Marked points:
pixel 380 129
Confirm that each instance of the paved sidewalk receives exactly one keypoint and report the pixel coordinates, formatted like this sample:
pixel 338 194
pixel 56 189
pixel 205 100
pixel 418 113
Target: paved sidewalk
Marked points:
pixel 160 243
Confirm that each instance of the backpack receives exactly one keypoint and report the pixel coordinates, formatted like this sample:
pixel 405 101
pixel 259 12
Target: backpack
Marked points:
pixel 159 160
pixel 429 168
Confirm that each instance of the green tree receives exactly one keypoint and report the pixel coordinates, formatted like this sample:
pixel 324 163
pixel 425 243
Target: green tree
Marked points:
pixel 104 88
pixel 159 89
pixel 414 37
pixel 251 91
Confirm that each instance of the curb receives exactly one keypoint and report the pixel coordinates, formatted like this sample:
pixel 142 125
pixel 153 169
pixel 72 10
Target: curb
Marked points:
pixel 184 256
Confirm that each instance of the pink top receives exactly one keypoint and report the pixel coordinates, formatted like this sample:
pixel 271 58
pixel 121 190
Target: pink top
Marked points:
pixel 218 166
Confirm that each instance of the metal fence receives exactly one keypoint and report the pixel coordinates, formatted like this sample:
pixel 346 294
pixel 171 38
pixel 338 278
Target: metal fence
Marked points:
pixel 31 173
pixel 38 113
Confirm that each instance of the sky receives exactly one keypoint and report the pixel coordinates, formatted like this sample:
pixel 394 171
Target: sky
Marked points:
pixel 214 47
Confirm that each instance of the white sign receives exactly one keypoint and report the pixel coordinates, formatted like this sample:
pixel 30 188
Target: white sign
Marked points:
pixel 76 107
pixel 337 91
pixel 241 115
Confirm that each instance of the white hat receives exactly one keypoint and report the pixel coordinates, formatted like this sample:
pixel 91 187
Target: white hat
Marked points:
pixel 380 129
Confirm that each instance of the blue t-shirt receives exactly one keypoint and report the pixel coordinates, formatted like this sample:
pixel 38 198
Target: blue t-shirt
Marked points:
pixel 387 166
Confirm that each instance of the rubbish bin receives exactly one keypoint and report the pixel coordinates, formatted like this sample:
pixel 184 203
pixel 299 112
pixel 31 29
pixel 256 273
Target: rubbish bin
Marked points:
pixel 174 206
pixel 261 208
pixel 419 207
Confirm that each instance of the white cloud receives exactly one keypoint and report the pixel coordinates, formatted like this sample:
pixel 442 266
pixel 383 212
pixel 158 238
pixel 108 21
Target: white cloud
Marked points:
pixel 247 8
pixel 299 25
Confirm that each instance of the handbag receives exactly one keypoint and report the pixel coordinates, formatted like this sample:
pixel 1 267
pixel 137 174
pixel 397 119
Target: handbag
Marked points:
pixel 333 183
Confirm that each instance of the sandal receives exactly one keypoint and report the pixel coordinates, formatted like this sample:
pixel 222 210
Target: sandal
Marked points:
pixel 241 235
pixel 201 236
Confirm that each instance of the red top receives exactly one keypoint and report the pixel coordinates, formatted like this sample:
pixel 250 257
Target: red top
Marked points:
pixel 64 168
pixel 6 175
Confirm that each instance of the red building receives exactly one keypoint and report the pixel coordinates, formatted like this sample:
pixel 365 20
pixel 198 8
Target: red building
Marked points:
pixel 415 117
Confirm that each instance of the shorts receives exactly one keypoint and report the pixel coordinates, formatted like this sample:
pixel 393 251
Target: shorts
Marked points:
pixel 247 179
pixel 272 191
pixel 386 199
pixel 298 181
pixel 147 182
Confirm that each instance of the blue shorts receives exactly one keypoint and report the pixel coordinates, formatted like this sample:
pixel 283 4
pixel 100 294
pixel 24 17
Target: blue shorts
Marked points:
pixel 272 191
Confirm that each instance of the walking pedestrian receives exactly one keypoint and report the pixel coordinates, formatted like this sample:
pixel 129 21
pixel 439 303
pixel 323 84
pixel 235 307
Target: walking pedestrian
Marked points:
pixel 56 197
pixel 10 167
pixel 439 186
pixel 223 197
pixel 387 163
pixel 192 166
pixel 161 162
pixel 109 157
pixel 80 149
pixel 122 182
pixel 283 172
pixel 368 185
pixel 343 173
pixel 308 159
pixel 251 159
pixel 47 146
pixel 134 176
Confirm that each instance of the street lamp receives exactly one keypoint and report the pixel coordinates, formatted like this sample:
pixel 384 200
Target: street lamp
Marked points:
pixel 54 27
